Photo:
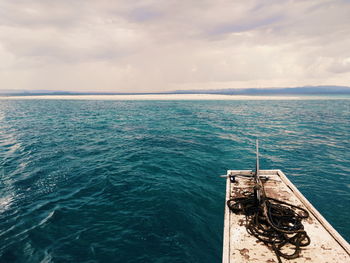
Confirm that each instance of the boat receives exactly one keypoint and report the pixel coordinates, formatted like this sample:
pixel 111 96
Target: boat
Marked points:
pixel 257 204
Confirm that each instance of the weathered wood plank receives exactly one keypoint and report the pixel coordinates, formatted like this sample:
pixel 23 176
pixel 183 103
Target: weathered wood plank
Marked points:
pixel 342 242
pixel 326 243
pixel 226 247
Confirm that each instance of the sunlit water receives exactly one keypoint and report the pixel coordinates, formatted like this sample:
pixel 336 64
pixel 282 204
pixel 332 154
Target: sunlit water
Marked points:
pixel 137 181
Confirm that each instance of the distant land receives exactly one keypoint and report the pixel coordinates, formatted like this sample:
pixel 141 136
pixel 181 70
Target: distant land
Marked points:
pixel 305 90
pixel 309 90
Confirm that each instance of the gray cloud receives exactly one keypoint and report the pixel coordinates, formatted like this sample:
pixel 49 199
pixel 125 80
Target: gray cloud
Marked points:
pixel 162 45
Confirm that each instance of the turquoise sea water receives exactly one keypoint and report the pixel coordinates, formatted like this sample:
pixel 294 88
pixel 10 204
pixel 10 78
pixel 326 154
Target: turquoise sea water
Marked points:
pixel 137 181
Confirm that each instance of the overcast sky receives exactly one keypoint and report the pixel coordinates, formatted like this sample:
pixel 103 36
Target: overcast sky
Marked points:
pixel 147 46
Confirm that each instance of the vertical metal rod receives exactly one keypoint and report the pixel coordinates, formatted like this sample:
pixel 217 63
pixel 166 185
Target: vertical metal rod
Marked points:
pixel 257 158
pixel 257 182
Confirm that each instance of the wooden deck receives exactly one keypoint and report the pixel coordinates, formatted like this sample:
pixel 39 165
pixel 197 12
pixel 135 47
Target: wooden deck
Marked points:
pixel 326 243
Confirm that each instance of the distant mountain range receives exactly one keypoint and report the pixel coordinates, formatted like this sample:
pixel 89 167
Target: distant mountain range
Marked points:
pixel 309 90
pixel 306 90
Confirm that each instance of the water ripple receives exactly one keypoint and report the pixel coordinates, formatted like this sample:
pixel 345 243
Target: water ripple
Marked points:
pixel 137 181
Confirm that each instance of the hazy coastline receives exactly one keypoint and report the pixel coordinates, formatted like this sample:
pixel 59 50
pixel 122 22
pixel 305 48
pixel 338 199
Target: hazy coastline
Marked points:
pixel 172 97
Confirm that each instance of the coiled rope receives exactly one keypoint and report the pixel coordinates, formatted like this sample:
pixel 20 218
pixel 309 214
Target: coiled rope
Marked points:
pixel 276 223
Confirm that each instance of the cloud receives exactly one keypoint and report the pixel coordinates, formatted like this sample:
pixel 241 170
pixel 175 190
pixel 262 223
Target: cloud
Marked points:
pixel 162 45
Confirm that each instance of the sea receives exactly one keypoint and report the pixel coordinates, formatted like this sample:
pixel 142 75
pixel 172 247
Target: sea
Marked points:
pixel 139 181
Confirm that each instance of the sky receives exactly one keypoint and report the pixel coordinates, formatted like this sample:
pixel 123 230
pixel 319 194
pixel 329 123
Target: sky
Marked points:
pixel 156 46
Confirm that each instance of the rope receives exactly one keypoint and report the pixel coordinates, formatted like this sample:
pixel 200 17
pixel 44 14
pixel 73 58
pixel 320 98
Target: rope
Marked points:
pixel 274 222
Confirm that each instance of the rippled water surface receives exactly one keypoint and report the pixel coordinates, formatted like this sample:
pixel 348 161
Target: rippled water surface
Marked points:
pixel 137 181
